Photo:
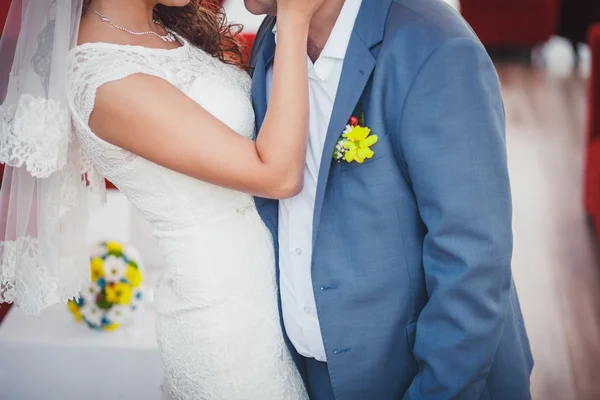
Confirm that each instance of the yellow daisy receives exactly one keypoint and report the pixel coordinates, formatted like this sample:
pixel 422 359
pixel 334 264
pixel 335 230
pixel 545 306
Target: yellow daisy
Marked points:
pixel 119 293
pixel 111 327
pixel 359 144
pixel 97 266
pixel 114 247
pixel 74 308
pixel 133 276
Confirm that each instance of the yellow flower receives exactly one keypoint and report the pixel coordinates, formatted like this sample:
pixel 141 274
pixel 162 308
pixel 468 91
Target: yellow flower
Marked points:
pixel 359 144
pixel 111 327
pixel 119 293
pixel 74 308
pixel 133 276
pixel 114 247
pixel 97 265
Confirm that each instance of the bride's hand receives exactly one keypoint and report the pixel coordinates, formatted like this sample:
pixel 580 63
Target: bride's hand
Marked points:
pixel 298 9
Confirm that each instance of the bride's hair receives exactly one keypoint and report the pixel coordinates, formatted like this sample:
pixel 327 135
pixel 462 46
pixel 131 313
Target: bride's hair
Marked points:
pixel 203 24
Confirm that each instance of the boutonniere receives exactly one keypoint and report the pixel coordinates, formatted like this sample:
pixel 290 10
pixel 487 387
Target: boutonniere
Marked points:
pixel 355 142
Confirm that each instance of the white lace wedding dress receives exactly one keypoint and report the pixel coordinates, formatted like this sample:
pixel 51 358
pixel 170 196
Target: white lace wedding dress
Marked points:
pixel 217 325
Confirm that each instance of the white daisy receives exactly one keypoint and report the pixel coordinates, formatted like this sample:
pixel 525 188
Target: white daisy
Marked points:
pixel 90 293
pixel 92 313
pixel 114 268
pixel 138 298
pixel 118 314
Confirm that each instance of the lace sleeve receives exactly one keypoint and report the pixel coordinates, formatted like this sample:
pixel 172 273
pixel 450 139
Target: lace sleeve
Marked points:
pixel 92 66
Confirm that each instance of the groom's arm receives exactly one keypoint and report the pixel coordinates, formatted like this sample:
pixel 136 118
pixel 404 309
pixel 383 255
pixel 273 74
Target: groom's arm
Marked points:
pixel 451 132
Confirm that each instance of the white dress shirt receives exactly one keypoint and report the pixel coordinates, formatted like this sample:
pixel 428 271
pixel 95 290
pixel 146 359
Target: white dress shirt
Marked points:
pixel 296 214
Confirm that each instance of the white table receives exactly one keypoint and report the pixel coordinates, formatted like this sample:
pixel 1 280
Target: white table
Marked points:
pixel 53 357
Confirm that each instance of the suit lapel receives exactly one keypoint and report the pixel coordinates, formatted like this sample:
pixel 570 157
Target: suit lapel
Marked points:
pixel 259 78
pixel 358 67
pixel 359 64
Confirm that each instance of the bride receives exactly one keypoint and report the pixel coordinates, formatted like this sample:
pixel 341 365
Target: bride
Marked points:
pixel 154 98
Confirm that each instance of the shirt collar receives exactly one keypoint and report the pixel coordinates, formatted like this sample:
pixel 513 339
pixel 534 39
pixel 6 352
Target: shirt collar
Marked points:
pixel 339 39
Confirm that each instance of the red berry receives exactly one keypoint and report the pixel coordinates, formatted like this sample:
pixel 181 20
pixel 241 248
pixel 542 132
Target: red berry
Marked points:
pixel 353 121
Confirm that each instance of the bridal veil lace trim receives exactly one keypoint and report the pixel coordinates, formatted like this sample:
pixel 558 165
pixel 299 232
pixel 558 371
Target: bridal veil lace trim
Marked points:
pixel 47 189
pixel 32 134
pixel 48 183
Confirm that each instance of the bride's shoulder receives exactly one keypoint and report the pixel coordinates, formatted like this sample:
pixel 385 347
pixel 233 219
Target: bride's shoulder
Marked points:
pixel 100 52
pixel 103 56
pixel 94 64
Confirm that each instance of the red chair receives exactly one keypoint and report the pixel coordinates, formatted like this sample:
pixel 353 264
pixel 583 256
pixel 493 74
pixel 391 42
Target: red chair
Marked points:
pixel 248 39
pixel 592 164
pixel 508 23
pixel 4 6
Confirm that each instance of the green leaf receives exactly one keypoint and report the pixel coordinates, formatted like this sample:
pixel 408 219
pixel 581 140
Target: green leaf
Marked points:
pixel 117 254
pixel 104 304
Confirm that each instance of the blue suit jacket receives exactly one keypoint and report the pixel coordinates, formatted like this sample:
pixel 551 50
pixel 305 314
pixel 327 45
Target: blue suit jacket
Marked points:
pixel 412 249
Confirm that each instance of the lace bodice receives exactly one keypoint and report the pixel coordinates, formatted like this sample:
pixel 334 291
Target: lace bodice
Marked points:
pixel 223 90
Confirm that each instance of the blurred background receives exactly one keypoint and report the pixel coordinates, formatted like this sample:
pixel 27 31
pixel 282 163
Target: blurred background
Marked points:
pixel 547 54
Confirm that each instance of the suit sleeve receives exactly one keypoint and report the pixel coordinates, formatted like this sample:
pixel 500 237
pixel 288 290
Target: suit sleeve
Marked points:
pixel 451 134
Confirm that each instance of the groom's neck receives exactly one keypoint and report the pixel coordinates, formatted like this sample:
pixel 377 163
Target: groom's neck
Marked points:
pixel 321 26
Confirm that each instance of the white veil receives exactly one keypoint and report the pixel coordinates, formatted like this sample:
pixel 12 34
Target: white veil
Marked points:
pixel 48 182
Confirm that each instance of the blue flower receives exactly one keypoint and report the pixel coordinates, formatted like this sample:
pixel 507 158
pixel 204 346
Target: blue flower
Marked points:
pixel 80 302
pixel 101 283
pixel 92 326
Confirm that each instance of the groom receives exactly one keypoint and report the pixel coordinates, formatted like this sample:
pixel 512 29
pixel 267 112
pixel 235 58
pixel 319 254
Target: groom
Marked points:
pixel 395 272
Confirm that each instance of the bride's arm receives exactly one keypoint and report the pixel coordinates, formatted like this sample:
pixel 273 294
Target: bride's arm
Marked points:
pixel 153 119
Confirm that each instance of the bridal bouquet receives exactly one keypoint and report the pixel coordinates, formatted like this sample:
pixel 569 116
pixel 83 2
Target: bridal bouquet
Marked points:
pixel 115 291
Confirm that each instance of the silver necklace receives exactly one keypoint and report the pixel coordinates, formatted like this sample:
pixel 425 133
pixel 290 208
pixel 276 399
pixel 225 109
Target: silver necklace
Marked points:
pixel 169 37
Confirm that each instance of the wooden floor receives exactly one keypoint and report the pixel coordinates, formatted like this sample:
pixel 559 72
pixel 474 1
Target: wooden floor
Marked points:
pixel 555 257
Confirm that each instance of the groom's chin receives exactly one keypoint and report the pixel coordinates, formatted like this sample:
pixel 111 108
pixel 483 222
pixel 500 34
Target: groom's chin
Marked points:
pixel 261 7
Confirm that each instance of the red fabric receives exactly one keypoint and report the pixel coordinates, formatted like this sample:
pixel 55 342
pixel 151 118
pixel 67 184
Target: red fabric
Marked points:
pixel 592 165
pixel 4 6
pixel 512 22
pixel 248 39
pixel 594 88
pixel 4 310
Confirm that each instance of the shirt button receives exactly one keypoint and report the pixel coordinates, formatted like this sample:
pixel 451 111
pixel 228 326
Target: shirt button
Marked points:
pixel 307 310
pixel 298 251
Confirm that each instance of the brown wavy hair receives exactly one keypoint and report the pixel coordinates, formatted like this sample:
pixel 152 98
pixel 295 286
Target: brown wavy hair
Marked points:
pixel 203 24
